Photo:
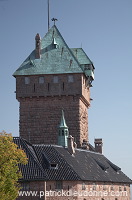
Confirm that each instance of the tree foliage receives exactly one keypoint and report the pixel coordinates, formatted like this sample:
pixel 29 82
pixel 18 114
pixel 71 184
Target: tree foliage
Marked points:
pixel 10 157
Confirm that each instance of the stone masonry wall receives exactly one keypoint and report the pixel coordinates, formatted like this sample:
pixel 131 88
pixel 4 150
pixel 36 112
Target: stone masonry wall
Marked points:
pixel 42 100
pixel 75 190
pixel 49 85
pixel 39 119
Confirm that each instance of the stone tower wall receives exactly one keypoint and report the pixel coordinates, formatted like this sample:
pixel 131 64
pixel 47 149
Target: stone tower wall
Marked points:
pixel 41 105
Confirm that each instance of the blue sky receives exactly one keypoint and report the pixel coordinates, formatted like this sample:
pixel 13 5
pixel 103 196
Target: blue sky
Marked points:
pixel 103 28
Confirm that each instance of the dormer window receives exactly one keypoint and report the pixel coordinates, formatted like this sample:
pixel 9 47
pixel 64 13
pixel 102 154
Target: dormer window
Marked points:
pixel 27 80
pixel 53 166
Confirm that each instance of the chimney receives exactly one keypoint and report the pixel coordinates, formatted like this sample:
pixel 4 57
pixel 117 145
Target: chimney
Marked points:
pixel 98 145
pixel 38 46
pixel 71 145
pixel 85 144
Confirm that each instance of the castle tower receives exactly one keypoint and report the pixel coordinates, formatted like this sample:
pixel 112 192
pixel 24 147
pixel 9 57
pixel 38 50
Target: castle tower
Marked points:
pixel 63 132
pixel 52 78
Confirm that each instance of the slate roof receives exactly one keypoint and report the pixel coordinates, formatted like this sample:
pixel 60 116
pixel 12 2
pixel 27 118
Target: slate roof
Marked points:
pixel 33 170
pixel 53 60
pixel 52 162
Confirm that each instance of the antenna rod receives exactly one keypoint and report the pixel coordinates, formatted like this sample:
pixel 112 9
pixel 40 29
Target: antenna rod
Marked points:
pixel 48 16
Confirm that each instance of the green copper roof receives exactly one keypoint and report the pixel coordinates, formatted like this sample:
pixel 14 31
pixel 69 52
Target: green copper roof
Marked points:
pixel 63 131
pixel 56 57
pixel 81 56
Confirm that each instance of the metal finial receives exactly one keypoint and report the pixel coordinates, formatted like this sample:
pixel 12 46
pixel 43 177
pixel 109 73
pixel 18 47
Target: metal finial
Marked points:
pixel 54 19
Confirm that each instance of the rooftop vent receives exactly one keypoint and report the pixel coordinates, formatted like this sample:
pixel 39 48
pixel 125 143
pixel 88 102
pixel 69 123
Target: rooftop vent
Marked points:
pixel 38 46
pixel 71 145
pixel 85 144
pixel 54 43
pixel 98 145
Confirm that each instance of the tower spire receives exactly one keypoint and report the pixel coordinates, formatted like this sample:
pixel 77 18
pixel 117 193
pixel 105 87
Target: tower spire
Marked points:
pixel 63 131
pixel 63 121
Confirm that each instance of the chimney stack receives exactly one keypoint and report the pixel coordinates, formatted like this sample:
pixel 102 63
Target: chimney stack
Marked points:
pixel 98 145
pixel 38 46
pixel 71 145
pixel 85 144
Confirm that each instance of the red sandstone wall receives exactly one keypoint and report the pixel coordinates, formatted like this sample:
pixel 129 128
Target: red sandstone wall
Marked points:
pixel 40 107
pixel 79 190
pixel 39 118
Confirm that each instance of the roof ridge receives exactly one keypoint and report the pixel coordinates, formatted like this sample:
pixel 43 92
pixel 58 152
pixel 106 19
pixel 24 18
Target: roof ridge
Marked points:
pixel 68 47
pixel 46 65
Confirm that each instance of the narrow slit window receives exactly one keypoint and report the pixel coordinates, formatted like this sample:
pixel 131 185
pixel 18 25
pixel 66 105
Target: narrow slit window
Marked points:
pixel 34 88
pixel 48 86
pixel 63 86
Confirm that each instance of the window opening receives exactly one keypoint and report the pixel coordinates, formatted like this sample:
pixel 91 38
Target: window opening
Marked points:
pixel 55 79
pixel 27 80
pixel 70 79
pixel 48 86
pixel 63 86
pixel 41 80
pixel 34 87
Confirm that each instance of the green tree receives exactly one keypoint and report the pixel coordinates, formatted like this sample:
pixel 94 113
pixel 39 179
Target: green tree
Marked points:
pixel 10 157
